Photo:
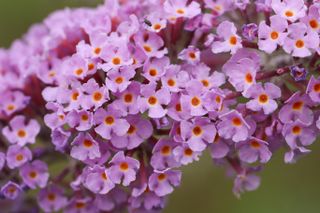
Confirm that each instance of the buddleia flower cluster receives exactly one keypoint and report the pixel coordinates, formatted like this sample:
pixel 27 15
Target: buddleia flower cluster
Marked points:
pixel 101 107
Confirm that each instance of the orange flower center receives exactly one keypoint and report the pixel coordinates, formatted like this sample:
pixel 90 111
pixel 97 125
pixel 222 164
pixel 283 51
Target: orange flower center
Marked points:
pixel 116 61
pixel 171 82
pixel 87 143
pixel 296 130
pixel 178 107
pixel 152 100
pixel 97 50
pixel 299 43
pixel 297 105
pixel 162 177
pixel 153 72
pixel 78 71
pixel 313 23
pixel 75 96
pixel 10 107
pixel 249 78
pixel 128 98
pixel 236 121
pixel 180 11
pixel 166 150
pixel 195 101
pixel 97 96
pixel 22 133
pixel 19 157
pixel 124 166
pixel 33 174
pixel 192 55
pixel 197 130
pixel 157 27
pixel 131 130
pixel 119 80
pixel 109 120
pixel 263 98
pixel 147 48
pixel 255 144
pixel 90 66
pixel 205 82
pixel 274 35
pixel 316 87
pixel 289 13
pixel 80 205
pixel 84 117
pixel 233 40
pixel 51 196
pixel 188 152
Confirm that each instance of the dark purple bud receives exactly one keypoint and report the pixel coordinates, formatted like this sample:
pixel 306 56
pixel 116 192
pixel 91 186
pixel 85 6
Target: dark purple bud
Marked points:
pixel 250 31
pixel 298 73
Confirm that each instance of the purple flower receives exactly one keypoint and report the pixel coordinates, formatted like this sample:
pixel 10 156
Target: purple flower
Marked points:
pixel 114 200
pixel 250 31
pixel 13 102
pixel 123 169
pixel 193 101
pixel 11 190
pixel 219 148
pixel 198 133
pixel 297 107
pixel 190 54
pixel 95 96
pixel 21 132
pixel 263 97
pixel 233 126
pixel 155 68
pixel 119 80
pixel 56 118
pixel 153 100
pixel 184 155
pixel 300 40
pixel 289 9
pixel 245 182
pixel 299 74
pixel 297 131
pixel 231 41
pixel 97 179
pixel 35 174
pixel 127 100
pixel 163 183
pixel 17 156
pixel 115 56
pixel 162 155
pixel 174 78
pixel 144 197
pixel 180 8
pixel 242 75
pixel 271 37
pixel 253 149
pixel 110 122
pixel 80 120
pixel 60 139
pixel 140 129
pixel 218 7
pixel 313 89
pixel 292 155
pixel 155 22
pixel 312 20
pixel 84 147
pixel 151 44
pixel 51 199
pixel 81 205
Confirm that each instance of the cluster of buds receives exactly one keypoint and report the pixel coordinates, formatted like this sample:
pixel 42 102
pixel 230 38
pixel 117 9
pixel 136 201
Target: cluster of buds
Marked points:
pixel 101 107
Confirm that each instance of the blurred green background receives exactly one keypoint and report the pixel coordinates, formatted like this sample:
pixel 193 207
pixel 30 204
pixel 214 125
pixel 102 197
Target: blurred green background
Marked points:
pixel 205 188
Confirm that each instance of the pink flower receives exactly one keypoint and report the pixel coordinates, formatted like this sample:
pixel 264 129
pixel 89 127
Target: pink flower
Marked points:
pixel 231 41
